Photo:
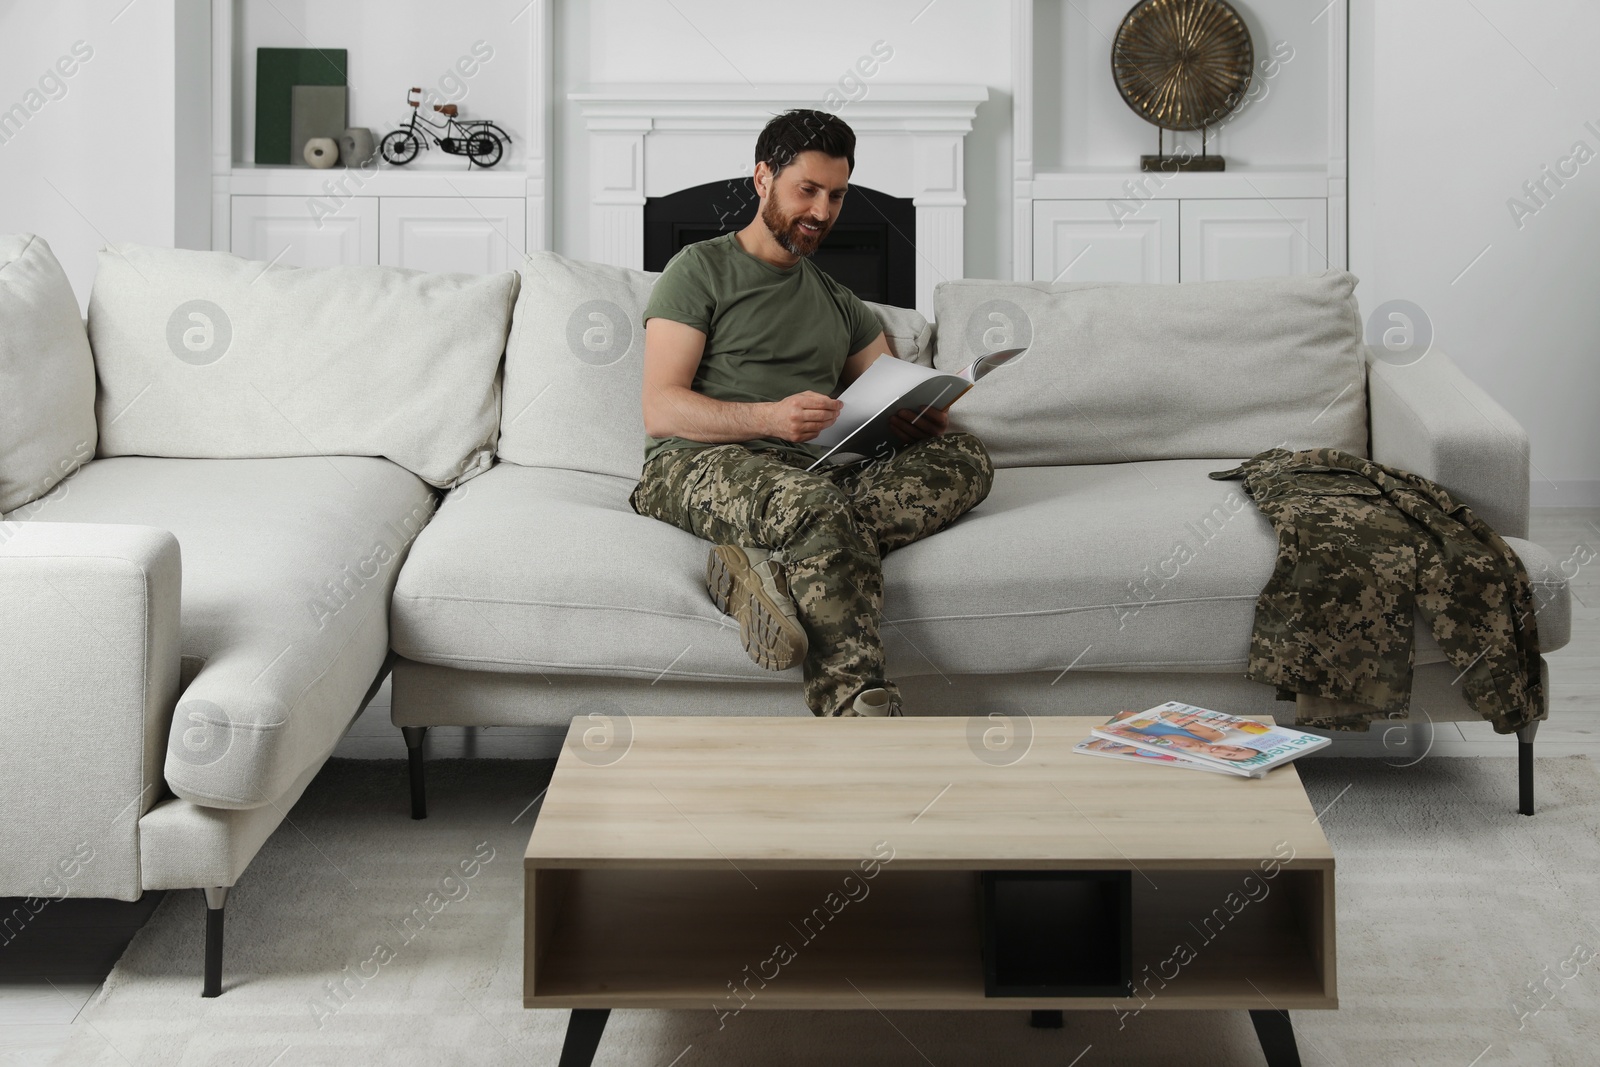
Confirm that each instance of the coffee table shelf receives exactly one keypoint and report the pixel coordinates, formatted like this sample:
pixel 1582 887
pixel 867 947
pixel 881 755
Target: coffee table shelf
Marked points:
pixel 676 938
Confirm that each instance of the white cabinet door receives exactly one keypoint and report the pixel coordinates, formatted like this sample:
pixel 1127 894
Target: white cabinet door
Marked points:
pixel 286 229
pixel 1226 240
pixel 1105 241
pixel 472 235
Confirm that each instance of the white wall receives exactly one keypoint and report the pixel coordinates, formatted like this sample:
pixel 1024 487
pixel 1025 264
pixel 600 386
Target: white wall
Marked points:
pixel 94 161
pixel 1453 107
pixel 191 122
pixel 964 41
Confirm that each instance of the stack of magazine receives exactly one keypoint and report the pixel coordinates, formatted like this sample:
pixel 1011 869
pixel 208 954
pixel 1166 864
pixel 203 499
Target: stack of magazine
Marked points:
pixel 1198 739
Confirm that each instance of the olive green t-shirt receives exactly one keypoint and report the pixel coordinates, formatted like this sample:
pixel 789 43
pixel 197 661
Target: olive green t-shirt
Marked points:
pixel 770 332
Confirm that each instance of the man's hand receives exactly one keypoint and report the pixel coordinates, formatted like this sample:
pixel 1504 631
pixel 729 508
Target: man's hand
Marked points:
pixel 911 427
pixel 802 416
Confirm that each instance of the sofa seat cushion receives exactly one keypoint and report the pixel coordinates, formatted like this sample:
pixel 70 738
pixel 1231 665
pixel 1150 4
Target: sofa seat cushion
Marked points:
pixel 287 569
pixel 543 569
pixel 1139 567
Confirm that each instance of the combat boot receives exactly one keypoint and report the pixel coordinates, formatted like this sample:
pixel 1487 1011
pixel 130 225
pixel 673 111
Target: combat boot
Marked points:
pixel 874 703
pixel 748 584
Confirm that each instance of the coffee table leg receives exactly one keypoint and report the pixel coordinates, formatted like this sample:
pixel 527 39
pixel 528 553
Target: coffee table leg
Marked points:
pixel 1276 1034
pixel 583 1036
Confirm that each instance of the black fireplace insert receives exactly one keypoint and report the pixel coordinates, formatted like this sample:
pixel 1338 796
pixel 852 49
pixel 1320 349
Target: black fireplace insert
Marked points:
pixel 870 249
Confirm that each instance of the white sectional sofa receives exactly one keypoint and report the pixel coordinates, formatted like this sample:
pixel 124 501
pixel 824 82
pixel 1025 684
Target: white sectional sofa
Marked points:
pixel 246 493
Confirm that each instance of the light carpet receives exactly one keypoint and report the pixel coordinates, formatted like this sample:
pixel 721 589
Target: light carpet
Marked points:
pixel 1450 907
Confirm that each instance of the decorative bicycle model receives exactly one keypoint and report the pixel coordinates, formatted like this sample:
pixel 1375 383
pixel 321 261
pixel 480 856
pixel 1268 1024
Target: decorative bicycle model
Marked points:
pixel 480 140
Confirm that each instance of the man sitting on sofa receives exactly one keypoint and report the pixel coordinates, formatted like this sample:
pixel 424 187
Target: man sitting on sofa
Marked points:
pixel 746 343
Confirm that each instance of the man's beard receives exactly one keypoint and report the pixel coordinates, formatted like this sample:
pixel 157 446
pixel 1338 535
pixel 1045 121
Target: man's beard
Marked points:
pixel 788 234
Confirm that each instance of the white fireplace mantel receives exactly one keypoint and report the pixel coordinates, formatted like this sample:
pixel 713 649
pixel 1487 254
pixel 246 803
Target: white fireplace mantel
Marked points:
pixel 655 139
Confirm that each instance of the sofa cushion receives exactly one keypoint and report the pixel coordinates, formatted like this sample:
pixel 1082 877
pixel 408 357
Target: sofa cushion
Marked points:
pixel 207 355
pixel 908 334
pixel 575 365
pixel 1120 372
pixel 287 569
pixel 547 569
pixel 47 425
pixel 1132 566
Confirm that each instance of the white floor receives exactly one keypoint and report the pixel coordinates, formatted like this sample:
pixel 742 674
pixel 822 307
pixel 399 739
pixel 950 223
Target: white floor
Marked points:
pixel 36 1014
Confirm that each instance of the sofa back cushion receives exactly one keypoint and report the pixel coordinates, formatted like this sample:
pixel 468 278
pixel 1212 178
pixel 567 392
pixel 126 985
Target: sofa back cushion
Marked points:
pixel 1120 372
pixel 574 375
pixel 207 355
pixel 47 425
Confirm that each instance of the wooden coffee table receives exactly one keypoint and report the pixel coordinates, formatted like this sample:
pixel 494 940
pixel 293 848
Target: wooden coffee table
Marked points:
pixel 771 863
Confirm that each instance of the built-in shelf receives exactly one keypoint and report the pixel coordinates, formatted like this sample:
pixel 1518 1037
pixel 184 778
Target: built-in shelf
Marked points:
pixel 432 214
pixel 249 179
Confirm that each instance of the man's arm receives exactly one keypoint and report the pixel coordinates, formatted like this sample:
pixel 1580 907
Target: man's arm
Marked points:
pixel 672 353
pixel 857 364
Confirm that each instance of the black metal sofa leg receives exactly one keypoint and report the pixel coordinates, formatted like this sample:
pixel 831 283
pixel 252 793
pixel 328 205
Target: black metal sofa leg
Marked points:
pixel 1525 768
pixel 216 900
pixel 414 736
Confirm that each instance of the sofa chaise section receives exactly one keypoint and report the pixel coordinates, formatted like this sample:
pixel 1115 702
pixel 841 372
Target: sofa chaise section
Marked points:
pixel 288 432
pixel 287 567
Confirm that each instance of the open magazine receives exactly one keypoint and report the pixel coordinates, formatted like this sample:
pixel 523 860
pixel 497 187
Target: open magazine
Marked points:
pixel 1242 746
pixel 889 384
pixel 1099 746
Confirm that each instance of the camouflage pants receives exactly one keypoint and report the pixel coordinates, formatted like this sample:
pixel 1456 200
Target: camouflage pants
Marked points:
pixel 830 530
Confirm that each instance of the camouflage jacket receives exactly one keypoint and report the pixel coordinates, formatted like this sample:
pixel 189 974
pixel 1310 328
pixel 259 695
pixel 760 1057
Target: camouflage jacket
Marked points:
pixel 1363 547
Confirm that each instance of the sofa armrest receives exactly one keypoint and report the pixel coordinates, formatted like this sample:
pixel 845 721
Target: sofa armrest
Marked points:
pixel 1430 418
pixel 88 678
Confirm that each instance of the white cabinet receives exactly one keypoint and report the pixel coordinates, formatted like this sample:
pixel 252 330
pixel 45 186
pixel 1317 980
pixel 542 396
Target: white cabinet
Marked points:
pixel 1178 240
pixel 472 235
pixel 476 235
pixel 286 229
pixel 1224 240
pixel 1103 241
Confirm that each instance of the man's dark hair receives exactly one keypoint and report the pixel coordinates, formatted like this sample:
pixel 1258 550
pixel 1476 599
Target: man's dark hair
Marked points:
pixel 803 130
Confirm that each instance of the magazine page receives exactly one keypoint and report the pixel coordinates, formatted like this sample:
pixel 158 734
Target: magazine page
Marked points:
pixel 1099 746
pixel 881 384
pixel 875 437
pixel 974 371
pixel 862 427
pixel 1244 746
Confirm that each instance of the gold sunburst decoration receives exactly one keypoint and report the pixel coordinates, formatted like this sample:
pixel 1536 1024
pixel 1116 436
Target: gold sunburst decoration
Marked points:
pixel 1182 64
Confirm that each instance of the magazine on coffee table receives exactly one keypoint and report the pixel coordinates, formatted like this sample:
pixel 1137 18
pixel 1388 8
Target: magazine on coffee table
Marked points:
pixel 1242 746
pixel 1099 746
pixel 862 427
